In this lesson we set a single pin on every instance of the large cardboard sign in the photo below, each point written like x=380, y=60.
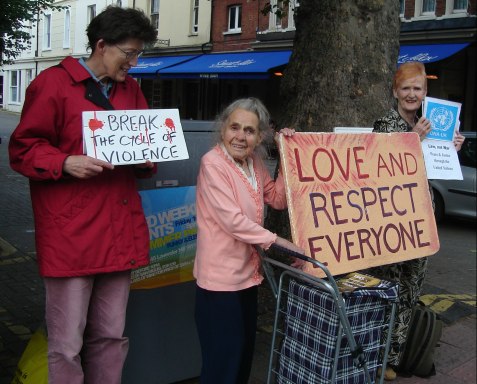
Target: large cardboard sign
x=134, y=136
x=358, y=200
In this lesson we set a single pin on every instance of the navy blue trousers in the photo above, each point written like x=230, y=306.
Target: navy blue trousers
x=226, y=324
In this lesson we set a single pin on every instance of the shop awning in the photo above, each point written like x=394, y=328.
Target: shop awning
x=149, y=66
x=428, y=53
x=240, y=65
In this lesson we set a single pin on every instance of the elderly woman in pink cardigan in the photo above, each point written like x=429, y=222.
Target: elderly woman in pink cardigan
x=232, y=187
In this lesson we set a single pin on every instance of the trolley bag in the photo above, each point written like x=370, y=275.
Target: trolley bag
x=425, y=330
x=314, y=342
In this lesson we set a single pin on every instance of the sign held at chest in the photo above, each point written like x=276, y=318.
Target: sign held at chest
x=134, y=136
x=358, y=200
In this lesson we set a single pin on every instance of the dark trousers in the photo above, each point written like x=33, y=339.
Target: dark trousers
x=226, y=323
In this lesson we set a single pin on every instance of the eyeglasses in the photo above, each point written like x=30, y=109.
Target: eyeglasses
x=130, y=54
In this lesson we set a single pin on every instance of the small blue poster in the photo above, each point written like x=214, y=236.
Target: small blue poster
x=171, y=218
x=444, y=117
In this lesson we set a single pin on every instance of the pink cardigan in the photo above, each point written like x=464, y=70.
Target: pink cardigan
x=230, y=219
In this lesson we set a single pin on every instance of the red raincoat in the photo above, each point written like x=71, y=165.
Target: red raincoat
x=82, y=227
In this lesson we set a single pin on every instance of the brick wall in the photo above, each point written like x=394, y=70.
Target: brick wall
x=235, y=41
x=440, y=8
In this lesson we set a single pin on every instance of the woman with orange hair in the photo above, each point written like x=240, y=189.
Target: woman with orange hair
x=409, y=89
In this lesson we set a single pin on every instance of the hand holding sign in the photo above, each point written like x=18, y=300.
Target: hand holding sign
x=84, y=167
x=422, y=127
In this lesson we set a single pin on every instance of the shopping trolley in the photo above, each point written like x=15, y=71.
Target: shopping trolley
x=321, y=335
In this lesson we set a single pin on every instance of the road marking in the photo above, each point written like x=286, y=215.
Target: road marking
x=6, y=249
x=442, y=303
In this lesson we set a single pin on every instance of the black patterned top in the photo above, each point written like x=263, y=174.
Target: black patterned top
x=391, y=122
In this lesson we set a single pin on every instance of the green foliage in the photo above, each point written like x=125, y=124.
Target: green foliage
x=18, y=25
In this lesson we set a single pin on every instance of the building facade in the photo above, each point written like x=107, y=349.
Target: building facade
x=176, y=72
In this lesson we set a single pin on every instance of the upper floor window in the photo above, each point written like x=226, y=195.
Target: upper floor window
x=119, y=3
x=195, y=17
x=155, y=13
x=461, y=5
x=67, y=29
x=276, y=14
x=15, y=82
x=401, y=7
x=47, y=31
x=235, y=18
x=428, y=6
x=91, y=12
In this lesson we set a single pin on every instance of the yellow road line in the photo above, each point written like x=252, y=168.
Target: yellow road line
x=441, y=303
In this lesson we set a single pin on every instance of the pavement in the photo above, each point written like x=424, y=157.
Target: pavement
x=450, y=288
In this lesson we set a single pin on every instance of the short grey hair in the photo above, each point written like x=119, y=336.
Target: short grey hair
x=250, y=104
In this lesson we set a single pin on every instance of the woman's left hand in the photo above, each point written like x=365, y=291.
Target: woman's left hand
x=285, y=132
x=284, y=243
x=422, y=127
x=458, y=141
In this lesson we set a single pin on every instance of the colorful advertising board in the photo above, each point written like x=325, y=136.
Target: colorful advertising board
x=171, y=218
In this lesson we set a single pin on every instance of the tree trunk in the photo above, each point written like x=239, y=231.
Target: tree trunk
x=340, y=72
x=344, y=56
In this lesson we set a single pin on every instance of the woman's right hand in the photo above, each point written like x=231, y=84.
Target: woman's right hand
x=284, y=243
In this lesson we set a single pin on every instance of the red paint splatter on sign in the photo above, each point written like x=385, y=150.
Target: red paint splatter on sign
x=94, y=124
x=170, y=124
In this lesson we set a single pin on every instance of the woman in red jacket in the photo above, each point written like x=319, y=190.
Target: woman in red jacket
x=89, y=223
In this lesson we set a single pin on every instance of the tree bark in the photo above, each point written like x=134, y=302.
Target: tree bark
x=340, y=72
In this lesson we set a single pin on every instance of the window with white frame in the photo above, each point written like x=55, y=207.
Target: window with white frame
x=274, y=20
x=292, y=6
x=119, y=3
x=428, y=7
x=15, y=82
x=91, y=12
x=155, y=13
x=235, y=18
x=47, y=31
x=67, y=29
x=195, y=17
x=401, y=7
x=460, y=5
x=29, y=76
